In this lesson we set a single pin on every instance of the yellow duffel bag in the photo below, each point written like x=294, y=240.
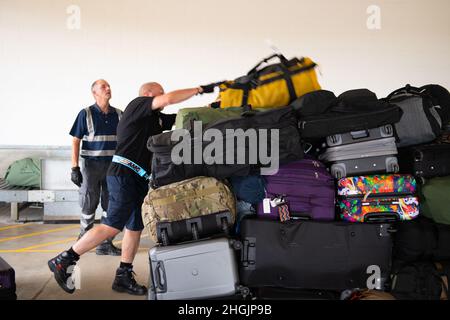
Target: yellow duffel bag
x=272, y=86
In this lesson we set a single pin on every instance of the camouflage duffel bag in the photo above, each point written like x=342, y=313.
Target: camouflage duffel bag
x=194, y=208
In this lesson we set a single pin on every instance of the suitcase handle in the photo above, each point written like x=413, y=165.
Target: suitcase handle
x=407, y=89
x=160, y=274
x=359, y=134
x=383, y=217
x=275, y=55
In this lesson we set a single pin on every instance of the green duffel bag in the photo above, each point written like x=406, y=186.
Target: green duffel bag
x=434, y=195
x=24, y=173
x=206, y=115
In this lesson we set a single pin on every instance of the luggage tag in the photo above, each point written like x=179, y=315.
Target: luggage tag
x=283, y=209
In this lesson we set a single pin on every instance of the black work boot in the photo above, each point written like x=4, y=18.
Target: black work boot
x=125, y=282
x=107, y=248
x=59, y=265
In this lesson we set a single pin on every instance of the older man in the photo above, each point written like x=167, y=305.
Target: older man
x=127, y=185
x=96, y=126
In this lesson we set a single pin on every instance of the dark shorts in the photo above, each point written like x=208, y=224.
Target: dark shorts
x=126, y=195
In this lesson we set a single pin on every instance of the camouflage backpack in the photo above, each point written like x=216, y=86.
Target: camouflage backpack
x=186, y=199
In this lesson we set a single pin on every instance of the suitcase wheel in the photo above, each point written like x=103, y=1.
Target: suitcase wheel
x=338, y=171
x=394, y=168
x=237, y=245
x=244, y=291
x=164, y=237
x=392, y=165
x=387, y=131
x=334, y=140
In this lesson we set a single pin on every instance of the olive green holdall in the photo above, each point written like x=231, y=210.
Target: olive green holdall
x=434, y=196
x=188, y=210
x=186, y=116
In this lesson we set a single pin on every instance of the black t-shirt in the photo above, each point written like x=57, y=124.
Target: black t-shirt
x=137, y=124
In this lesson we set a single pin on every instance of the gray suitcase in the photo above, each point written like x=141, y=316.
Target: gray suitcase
x=362, y=158
x=196, y=270
x=360, y=136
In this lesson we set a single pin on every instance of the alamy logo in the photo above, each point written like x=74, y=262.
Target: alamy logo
x=73, y=21
x=374, y=19
x=236, y=146
x=374, y=280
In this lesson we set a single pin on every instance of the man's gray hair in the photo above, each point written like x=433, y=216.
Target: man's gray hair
x=93, y=85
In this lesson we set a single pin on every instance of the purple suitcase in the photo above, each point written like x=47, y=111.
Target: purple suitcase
x=7, y=281
x=307, y=188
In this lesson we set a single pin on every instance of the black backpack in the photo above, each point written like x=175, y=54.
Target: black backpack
x=421, y=281
x=422, y=239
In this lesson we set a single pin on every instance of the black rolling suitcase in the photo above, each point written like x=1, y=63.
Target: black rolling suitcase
x=7, y=281
x=427, y=161
x=315, y=255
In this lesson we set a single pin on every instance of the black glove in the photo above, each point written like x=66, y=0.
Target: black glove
x=209, y=88
x=76, y=176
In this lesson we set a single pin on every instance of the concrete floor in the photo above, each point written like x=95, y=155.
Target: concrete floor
x=28, y=246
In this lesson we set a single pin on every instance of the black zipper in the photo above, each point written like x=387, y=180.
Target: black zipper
x=380, y=195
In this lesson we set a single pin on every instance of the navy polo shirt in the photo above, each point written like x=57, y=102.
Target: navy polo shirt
x=97, y=131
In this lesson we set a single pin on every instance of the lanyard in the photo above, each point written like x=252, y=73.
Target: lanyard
x=130, y=164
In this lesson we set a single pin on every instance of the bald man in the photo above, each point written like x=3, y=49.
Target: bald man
x=96, y=127
x=127, y=185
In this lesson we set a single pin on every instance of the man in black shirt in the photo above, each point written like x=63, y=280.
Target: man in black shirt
x=127, y=185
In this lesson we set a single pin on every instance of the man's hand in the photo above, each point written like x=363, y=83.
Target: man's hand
x=76, y=176
x=209, y=88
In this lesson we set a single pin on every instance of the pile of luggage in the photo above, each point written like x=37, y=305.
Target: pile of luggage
x=341, y=218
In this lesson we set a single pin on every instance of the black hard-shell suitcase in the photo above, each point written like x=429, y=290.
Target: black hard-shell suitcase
x=7, y=281
x=315, y=255
x=207, y=226
x=427, y=161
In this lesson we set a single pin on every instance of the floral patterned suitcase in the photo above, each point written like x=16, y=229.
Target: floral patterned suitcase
x=378, y=198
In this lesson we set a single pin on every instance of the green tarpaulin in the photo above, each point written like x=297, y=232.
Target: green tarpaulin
x=24, y=173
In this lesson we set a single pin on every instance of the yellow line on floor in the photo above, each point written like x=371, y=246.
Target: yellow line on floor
x=49, y=251
x=17, y=226
x=28, y=235
x=46, y=244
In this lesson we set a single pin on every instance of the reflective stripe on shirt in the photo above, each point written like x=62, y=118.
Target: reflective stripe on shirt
x=90, y=127
x=97, y=153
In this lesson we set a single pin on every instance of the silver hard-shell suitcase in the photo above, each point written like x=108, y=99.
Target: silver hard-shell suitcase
x=195, y=270
x=360, y=136
x=362, y=158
